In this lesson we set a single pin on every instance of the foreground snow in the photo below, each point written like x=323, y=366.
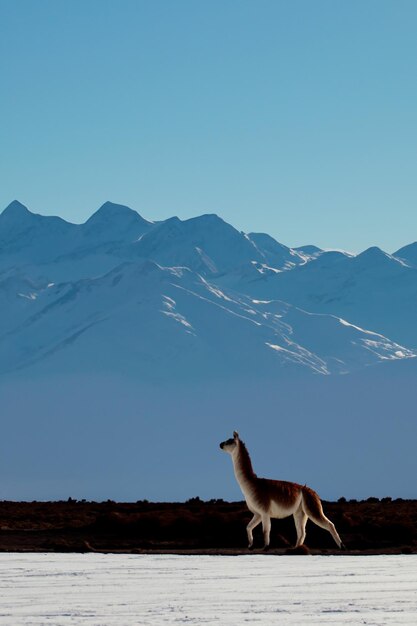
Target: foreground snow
x=126, y=590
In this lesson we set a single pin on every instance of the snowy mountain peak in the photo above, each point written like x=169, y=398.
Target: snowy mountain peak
x=115, y=223
x=309, y=250
x=408, y=254
x=15, y=211
x=111, y=212
x=206, y=244
x=208, y=219
x=173, y=222
x=275, y=254
x=17, y=216
x=374, y=256
x=372, y=253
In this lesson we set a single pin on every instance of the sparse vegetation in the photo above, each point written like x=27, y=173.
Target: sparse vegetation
x=372, y=525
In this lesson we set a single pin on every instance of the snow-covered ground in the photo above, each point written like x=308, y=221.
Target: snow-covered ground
x=141, y=590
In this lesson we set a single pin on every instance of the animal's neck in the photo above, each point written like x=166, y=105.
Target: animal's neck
x=243, y=466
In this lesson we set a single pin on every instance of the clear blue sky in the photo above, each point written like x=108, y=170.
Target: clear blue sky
x=297, y=118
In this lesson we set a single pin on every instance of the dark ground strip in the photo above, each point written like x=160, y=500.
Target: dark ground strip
x=196, y=527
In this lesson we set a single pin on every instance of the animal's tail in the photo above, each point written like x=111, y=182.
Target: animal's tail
x=312, y=507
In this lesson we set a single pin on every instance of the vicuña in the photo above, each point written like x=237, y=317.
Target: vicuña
x=268, y=499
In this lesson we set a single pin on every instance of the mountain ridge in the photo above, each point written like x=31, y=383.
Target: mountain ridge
x=251, y=275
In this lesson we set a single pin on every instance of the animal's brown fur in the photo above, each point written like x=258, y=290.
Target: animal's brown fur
x=313, y=503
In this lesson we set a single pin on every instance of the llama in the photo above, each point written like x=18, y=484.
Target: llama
x=268, y=499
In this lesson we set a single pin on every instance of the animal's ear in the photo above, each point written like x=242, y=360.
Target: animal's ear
x=235, y=434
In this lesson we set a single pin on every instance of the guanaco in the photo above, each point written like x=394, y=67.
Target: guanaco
x=268, y=499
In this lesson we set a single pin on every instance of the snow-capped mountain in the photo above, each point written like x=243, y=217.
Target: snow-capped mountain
x=29, y=238
x=54, y=249
x=120, y=293
x=48, y=247
x=373, y=290
x=408, y=254
x=114, y=223
x=159, y=323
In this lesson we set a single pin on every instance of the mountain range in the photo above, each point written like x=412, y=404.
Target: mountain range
x=128, y=314
x=193, y=298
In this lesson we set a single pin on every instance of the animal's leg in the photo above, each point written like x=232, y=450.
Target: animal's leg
x=266, y=525
x=300, y=519
x=256, y=519
x=325, y=523
x=312, y=506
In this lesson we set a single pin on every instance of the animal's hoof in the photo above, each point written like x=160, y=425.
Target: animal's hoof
x=301, y=549
x=342, y=546
x=250, y=547
x=265, y=548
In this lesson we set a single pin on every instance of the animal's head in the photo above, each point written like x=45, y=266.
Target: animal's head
x=230, y=445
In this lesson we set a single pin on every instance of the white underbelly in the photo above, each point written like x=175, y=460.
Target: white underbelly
x=279, y=510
